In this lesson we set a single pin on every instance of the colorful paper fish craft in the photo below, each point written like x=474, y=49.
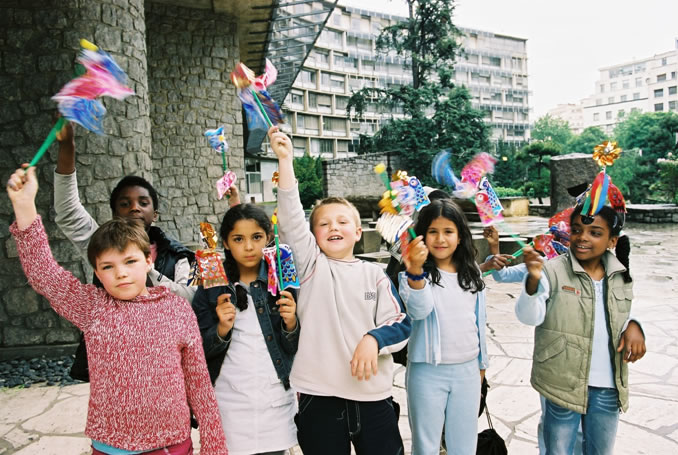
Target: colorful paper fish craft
x=77, y=100
x=261, y=110
x=602, y=190
x=208, y=269
x=218, y=142
x=282, y=273
x=404, y=195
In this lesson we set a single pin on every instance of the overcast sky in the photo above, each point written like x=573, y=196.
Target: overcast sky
x=567, y=41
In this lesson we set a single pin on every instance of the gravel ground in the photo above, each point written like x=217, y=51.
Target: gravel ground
x=26, y=372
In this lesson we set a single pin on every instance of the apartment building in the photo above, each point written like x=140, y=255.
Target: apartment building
x=572, y=113
x=644, y=85
x=344, y=60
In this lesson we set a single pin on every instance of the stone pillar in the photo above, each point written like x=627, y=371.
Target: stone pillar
x=40, y=43
x=568, y=171
x=191, y=54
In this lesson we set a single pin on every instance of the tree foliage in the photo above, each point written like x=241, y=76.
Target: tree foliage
x=653, y=135
x=437, y=114
x=309, y=172
x=536, y=157
x=551, y=129
x=586, y=141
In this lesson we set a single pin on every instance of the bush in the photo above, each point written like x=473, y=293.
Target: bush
x=309, y=172
x=507, y=192
x=668, y=180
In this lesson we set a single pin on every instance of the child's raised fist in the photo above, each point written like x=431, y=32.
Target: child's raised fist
x=280, y=143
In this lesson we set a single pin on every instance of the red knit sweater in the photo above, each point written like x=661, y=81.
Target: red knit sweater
x=146, y=360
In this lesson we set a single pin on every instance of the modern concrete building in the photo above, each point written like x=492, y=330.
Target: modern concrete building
x=573, y=114
x=645, y=85
x=344, y=60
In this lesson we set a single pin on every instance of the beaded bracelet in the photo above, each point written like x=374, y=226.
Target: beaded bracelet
x=416, y=277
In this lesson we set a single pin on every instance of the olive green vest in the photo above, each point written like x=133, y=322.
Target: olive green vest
x=563, y=342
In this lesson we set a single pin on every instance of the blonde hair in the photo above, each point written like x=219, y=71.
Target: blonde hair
x=334, y=200
x=118, y=234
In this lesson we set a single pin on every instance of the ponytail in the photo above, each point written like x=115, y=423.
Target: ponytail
x=622, y=251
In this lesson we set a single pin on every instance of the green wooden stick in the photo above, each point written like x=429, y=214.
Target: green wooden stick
x=517, y=254
x=277, y=252
x=261, y=108
x=48, y=141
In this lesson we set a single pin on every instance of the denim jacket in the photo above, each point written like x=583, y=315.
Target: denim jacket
x=424, y=345
x=282, y=345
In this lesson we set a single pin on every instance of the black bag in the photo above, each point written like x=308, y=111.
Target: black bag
x=489, y=441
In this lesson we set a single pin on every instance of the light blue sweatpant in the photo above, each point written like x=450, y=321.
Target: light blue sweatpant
x=444, y=394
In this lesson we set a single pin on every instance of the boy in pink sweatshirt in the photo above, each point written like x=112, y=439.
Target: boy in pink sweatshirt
x=147, y=366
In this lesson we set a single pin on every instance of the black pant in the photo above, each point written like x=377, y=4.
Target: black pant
x=328, y=425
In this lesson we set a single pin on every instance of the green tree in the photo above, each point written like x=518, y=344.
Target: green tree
x=438, y=114
x=668, y=180
x=586, y=141
x=536, y=157
x=309, y=172
x=551, y=129
x=623, y=173
x=653, y=135
x=509, y=170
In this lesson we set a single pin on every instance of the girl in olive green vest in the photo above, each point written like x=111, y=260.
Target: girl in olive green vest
x=580, y=304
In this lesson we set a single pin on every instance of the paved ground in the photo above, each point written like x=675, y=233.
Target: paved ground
x=50, y=420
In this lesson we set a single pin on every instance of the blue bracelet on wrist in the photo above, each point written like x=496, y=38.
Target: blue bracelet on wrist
x=416, y=277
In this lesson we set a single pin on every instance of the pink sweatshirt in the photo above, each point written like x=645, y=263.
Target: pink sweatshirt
x=145, y=356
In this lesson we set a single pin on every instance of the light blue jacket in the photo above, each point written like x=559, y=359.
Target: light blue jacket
x=424, y=344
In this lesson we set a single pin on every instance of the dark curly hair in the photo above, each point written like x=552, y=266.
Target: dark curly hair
x=133, y=180
x=464, y=257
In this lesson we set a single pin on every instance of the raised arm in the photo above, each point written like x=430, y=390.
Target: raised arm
x=67, y=295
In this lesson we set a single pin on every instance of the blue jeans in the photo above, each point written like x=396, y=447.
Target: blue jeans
x=540, y=432
x=599, y=424
x=443, y=395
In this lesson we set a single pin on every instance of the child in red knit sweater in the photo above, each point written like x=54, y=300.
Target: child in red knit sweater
x=147, y=367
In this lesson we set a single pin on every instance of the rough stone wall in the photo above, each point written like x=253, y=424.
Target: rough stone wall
x=568, y=171
x=191, y=54
x=354, y=177
x=39, y=41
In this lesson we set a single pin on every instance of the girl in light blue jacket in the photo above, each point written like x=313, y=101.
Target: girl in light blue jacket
x=444, y=294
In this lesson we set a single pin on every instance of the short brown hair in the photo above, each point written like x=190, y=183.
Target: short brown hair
x=117, y=234
x=334, y=200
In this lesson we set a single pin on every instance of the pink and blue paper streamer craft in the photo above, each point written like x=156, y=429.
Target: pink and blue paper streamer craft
x=289, y=275
x=217, y=141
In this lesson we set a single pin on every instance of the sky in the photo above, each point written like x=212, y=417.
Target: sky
x=567, y=41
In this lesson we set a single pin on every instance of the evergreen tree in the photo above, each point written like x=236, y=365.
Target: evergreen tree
x=438, y=114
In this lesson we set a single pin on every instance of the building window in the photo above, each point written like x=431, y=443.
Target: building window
x=673, y=74
x=326, y=147
x=312, y=101
x=322, y=57
x=659, y=107
x=492, y=61
x=610, y=100
x=308, y=123
x=596, y=116
x=325, y=102
x=672, y=90
x=296, y=97
x=621, y=113
x=659, y=93
x=253, y=174
x=673, y=105
x=625, y=84
x=367, y=65
x=517, y=63
x=623, y=98
x=337, y=82
x=636, y=96
x=608, y=115
x=299, y=146
x=613, y=86
x=341, y=102
x=307, y=77
x=661, y=77
x=639, y=82
x=664, y=60
x=602, y=88
x=334, y=125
